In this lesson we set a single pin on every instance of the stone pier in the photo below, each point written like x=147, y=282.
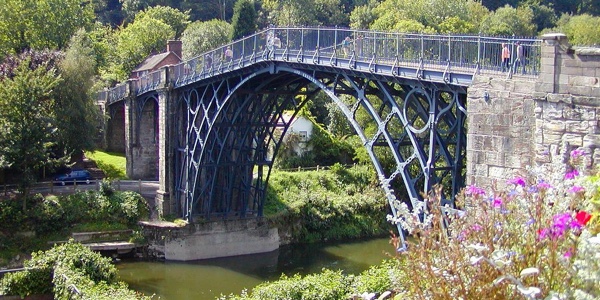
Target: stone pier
x=515, y=123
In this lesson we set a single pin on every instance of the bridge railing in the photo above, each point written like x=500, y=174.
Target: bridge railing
x=328, y=46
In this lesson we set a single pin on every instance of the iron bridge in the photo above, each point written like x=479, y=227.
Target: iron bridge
x=228, y=111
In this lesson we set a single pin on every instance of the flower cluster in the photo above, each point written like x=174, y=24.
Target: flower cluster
x=525, y=241
x=563, y=222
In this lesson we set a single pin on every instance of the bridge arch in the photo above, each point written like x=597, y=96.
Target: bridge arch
x=229, y=126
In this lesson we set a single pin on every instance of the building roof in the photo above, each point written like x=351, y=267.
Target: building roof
x=152, y=61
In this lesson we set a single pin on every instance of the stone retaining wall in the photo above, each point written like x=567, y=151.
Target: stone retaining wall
x=513, y=123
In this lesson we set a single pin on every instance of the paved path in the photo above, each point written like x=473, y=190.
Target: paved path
x=145, y=187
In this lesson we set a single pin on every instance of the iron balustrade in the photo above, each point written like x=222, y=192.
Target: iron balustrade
x=115, y=94
x=327, y=46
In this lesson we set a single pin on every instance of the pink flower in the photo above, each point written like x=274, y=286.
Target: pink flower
x=476, y=227
x=474, y=191
x=517, y=181
x=497, y=202
x=568, y=254
x=572, y=174
x=544, y=185
x=576, y=189
x=577, y=153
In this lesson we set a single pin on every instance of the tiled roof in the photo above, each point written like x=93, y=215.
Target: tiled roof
x=151, y=62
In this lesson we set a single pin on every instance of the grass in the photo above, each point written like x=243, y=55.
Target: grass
x=111, y=163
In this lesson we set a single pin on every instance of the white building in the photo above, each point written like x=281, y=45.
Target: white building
x=300, y=126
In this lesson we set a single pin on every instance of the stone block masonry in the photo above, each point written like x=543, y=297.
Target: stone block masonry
x=513, y=124
x=500, y=129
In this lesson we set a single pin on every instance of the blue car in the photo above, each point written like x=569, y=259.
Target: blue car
x=79, y=176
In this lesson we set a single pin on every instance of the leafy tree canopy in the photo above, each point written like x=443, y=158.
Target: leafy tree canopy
x=507, y=21
x=143, y=37
x=73, y=101
x=26, y=120
x=436, y=16
x=583, y=30
x=244, y=19
x=171, y=16
x=200, y=37
x=40, y=24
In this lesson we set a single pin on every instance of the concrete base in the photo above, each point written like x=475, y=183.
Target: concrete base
x=210, y=239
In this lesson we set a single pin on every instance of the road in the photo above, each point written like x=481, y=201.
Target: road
x=145, y=187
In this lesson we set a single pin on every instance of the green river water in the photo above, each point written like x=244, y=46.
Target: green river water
x=207, y=279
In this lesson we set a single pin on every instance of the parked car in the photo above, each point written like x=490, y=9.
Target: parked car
x=78, y=176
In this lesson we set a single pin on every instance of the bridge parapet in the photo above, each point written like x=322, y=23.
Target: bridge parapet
x=397, y=54
x=514, y=125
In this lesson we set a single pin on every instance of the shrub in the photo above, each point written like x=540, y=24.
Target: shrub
x=326, y=205
x=12, y=217
x=527, y=242
x=66, y=270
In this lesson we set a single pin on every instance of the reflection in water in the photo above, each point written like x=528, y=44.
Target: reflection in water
x=207, y=279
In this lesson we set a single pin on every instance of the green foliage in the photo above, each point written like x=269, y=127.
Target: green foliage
x=326, y=205
x=583, y=30
x=362, y=17
x=244, y=19
x=27, y=124
x=11, y=217
x=328, y=284
x=200, y=37
x=56, y=213
x=322, y=149
x=74, y=103
x=136, y=42
x=64, y=268
x=173, y=17
x=438, y=16
x=40, y=24
x=508, y=21
x=112, y=164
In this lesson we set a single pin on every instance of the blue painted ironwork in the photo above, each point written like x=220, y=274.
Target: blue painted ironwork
x=447, y=58
x=229, y=112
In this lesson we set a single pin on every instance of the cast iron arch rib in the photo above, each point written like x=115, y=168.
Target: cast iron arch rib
x=231, y=124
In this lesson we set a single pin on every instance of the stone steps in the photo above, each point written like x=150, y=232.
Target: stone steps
x=91, y=166
x=116, y=241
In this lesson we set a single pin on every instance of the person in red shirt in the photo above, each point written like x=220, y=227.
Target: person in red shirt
x=505, y=58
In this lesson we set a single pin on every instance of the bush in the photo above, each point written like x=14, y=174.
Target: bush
x=530, y=241
x=326, y=205
x=328, y=284
x=12, y=217
x=65, y=270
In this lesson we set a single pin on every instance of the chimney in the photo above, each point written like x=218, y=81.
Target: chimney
x=175, y=46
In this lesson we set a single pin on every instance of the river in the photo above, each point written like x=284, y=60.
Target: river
x=207, y=279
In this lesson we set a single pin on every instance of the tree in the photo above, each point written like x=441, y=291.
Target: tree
x=73, y=102
x=109, y=12
x=507, y=21
x=362, y=17
x=200, y=37
x=431, y=16
x=137, y=41
x=244, y=19
x=543, y=16
x=583, y=30
x=331, y=13
x=27, y=122
x=171, y=16
x=41, y=24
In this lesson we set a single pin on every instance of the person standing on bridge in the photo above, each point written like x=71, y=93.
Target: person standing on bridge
x=228, y=54
x=346, y=46
x=505, y=58
x=520, y=61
